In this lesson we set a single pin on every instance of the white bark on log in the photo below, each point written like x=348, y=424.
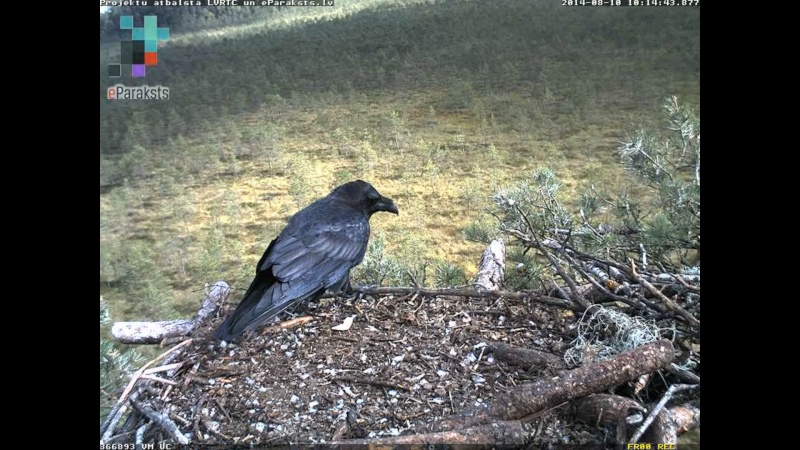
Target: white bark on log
x=686, y=417
x=491, y=267
x=155, y=332
x=672, y=422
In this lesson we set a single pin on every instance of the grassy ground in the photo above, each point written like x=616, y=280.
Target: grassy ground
x=204, y=206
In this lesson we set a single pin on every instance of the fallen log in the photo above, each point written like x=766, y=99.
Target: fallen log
x=668, y=430
x=497, y=423
x=527, y=359
x=531, y=398
x=672, y=422
x=604, y=409
x=686, y=417
x=156, y=332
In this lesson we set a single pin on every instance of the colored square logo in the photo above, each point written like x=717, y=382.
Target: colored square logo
x=115, y=70
x=125, y=22
x=126, y=52
x=142, y=49
x=150, y=27
x=137, y=53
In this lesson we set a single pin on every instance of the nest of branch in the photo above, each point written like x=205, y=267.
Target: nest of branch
x=412, y=368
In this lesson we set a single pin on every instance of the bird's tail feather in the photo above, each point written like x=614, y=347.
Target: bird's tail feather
x=233, y=326
x=248, y=316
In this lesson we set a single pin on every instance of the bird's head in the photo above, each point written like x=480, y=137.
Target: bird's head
x=362, y=194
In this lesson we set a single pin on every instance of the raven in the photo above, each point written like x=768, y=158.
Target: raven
x=314, y=253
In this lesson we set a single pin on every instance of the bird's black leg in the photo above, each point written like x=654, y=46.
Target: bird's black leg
x=350, y=293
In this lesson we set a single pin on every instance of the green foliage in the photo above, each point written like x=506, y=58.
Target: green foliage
x=135, y=163
x=456, y=49
x=494, y=156
x=449, y=275
x=399, y=132
x=144, y=280
x=211, y=263
x=523, y=271
x=479, y=231
x=341, y=177
x=299, y=187
x=408, y=266
x=366, y=159
x=667, y=227
x=115, y=365
x=377, y=268
x=668, y=164
x=533, y=203
x=341, y=141
x=268, y=145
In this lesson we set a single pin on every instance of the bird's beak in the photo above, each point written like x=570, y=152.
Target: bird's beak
x=386, y=204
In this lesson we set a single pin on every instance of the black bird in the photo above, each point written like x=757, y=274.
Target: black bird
x=314, y=253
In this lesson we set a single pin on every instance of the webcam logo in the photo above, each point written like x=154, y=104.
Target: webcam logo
x=141, y=50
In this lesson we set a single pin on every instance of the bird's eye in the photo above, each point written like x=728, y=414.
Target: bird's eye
x=374, y=196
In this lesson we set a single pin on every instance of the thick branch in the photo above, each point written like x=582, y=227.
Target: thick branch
x=525, y=296
x=657, y=409
x=604, y=409
x=584, y=304
x=534, y=397
x=527, y=359
x=163, y=420
x=670, y=423
x=692, y=320
x=132, y=383
x=156, y=332
x=686, y=417
x=491, y=267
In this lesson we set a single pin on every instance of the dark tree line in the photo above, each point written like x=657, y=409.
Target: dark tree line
x=464, y=50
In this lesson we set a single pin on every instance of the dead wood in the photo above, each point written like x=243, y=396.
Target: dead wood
x=672, y=422
x=684, y=375
x=525, y=358
x=163, y=420
x=671, y=305
x=686, y=416
x=156, y=332
x=657, y=410
x=604, y=409
x=106, y=429
x=434, y=385
x=663, y=430
x=288, y=324
x=531, y=398
x=467, y=292
x=491, y=267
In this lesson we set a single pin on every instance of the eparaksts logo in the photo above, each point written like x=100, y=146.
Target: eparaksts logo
x=145, y=92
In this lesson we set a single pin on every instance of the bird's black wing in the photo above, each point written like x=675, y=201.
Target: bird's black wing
x=301, y=263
